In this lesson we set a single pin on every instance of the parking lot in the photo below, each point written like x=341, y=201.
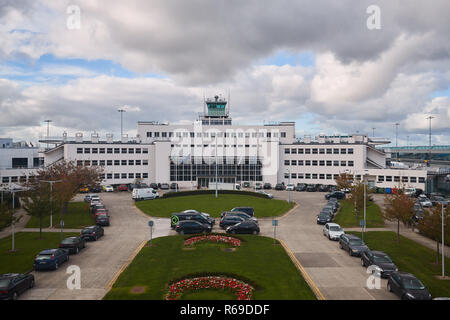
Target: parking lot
x=337, y=275
x=101, y=259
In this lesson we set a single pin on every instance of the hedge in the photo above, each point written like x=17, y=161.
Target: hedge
x=171, y=194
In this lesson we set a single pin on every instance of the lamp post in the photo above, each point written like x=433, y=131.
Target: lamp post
x=396, y=137
x=289, y=182
x=217, y=193
x=48, y=129
x=373, y=132
x=51, y=199
x=429, y=142
x=121, y=110
x=365, y=204
x=443, y=243
x=13, y=223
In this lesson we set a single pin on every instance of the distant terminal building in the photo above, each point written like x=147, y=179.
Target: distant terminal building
x=212, y=147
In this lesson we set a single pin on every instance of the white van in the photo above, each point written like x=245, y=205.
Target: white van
x=144, y=194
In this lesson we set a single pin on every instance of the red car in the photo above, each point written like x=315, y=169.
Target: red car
x=122, y=187
x=101, y=211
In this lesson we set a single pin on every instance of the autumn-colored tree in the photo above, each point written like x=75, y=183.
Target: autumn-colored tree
x=344, y=181
x=431, y=225
x=398, y=207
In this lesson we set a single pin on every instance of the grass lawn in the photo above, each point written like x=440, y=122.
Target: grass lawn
x=209, y=204
x=77, y=217
x=409, y=256
x=346, y=217
x=257, y=261
x=27, y=245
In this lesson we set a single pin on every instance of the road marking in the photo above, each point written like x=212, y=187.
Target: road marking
x=141, y=212
x=306, y=276
x=124, y=266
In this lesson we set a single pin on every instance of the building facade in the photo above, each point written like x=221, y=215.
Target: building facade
x=213, y=148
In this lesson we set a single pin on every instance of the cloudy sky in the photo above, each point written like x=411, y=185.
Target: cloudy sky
x=315, y=62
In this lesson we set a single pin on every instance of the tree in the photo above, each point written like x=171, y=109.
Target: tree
x=398, y=207
x=7, y=216
x=36, y=202
x=431, y=225
x=344, y=181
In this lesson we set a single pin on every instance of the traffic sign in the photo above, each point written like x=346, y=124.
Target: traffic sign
x=150, y=223
x=274, y=223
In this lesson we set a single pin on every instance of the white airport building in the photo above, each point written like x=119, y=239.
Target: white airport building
x=213, y=147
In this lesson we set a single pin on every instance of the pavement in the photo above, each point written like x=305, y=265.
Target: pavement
x=101, y=261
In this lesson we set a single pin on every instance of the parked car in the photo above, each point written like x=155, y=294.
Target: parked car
x=290, y=187
x=332, y=230
x=311, y=188
x=100, y=211
x=88, y=198
x=73, y=244
x=84, y=189
x=237, y=186
x=154, y=186
x=424, y=201
x=207, y=216
x=12, y=285
x=192, y=226
x=174, y=186
x=92, y=233
x=241, y=214
x=164, y=186
x=335, y=194
x=102, y=220
x=247, y=226
x=269, y=195
x=191, y=215
x=323, y=188
x=352, y=244
x=258, y=186
x=267, y=186
x=436, y=199
x=333, y=204
x=331, y=207
x=122, y=187
x=300, y=187
x=230, y=220
x=96, y=207
x=380, y=260
x=407, y=287
x=248, y=210
x=108, y=188
x=144, y=194
x=95, y=189
x=279, y=186
x=246, y=184
x=50, y=259
x=324, y=217
x=332, y=188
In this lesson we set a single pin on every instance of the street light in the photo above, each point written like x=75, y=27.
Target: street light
x=121, y=110
x=51, y=199
x=443, y=243
x=396, y=136
x=289, y=182
x=48, y=129
x=365, y=205
x=429, y=149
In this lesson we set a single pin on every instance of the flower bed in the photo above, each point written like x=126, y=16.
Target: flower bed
x=242, y=290
x=214, y=238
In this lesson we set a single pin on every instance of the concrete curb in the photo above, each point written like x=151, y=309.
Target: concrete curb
x=306, y=276
x=124, y=266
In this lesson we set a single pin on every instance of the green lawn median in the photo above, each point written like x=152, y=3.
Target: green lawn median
x=77, y=216
x=208, y=203
x=256, y=261
x=27, y=245
x=346, y=217
x=409, y=256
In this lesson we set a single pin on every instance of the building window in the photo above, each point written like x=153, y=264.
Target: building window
x=321, y=176
x=287, y=151
x=350, y=163
x=396, y=178
x=307, y=162
x=145, y=175
x=138, y=162
x=138, y=175
x=87, y=162
x=79, y=163
x=293, y=162
x=380, y=178
x=329, y=163
x=145, y=150
x=94, y=150
x=116, y=175
x=144, y=162
x=413, y=179
x=109, y=150
x=283, y=134
x=109, y=176
x=109, y=162
x=124, y=162
x=286, y=162
x=300, y=151
x=293, y=175
x=138, y=150
x=102, y=162
x=388, y=178
x=79, y=150
x=329, y=151
x=94, y=162
x=322, y=163
x=350, y=151
x=307, y=151
x=314, y=175
x=130, y=150
x=293, y=151
x=116, y=162
x=131, y=176
x=421, y=180
x=314, y=162
x=329, y=176
x=149, y=134
x=307, y=176
x=336, y=163
x=335, y=176
x=321, y=151
x=123, y=175
x=335, y=151
x=116, y=150
x=131, y=162
x=124, y=150
x=314, y=151
x=102, y=150
x=343, y=151
x=404, y=179
x=164, y=135
x=343, y=163
x=87, y=150
x=286, y=175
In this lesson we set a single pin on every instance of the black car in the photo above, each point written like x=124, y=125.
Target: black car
x=102, y=220
x=324, y=217
x=192, y=215
x=247, y=226
x=323, y=188
x=300, y=187
x=95, y=189
x=335, y=194
x=248, y=210
x=174, y=186
x=331, y=207
x=241, y=214
x=14, y=284
x=383, y=265
x=97, y=206
x=311, y=188
x=267, y=186
x=279, y=186
x=334, y=204
x=230, y=220
x=92, y=233
x=352, y=244
x=192, y=226
x=154, y=186
x=407, y=287
x=73, y=244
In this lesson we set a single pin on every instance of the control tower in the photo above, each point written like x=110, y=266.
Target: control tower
x=216, y=112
